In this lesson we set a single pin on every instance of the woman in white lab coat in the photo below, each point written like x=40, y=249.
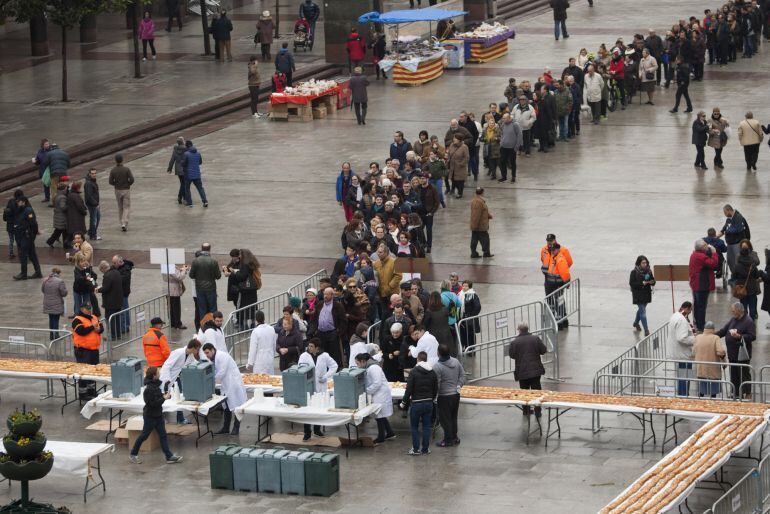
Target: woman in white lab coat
x=262, y=347
x=377, y=386
x=230, y=381
x=325, y=368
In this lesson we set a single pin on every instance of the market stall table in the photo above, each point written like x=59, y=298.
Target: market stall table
x=73, y=458
x=416, y=70
x=68, y=381
x=295, y=105
x=487, y=42
x=136, y=405
x=268, y=408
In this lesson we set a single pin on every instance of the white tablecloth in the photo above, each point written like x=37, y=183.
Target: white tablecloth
x=34, y=375
x=265, y=388
x=73, y=458
x=106, y=401
x=410, y=64
x=275, y=408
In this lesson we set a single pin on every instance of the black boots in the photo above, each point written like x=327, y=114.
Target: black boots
x=226, y=424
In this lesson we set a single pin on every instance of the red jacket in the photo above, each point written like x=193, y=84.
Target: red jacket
x=702, y=268
x=618, y=67
x=356, y=47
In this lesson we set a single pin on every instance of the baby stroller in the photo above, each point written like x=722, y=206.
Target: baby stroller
x=303, y=35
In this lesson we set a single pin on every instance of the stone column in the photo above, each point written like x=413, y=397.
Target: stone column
x=338, y=16
x=38, y=36
x=478, y=10
x=88, y=29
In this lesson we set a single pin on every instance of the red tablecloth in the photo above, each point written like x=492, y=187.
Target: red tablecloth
x=282, y=98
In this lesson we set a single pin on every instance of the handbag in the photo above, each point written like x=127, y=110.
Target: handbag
x=743, y=352
x=741, y=291
x=46, y=178
x=649, y=75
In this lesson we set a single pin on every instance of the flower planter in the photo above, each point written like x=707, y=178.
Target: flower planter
x=31, y=470
x=25, y=428
x=30, y=449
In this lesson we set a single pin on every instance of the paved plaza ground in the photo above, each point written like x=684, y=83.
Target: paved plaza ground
x=624, y=188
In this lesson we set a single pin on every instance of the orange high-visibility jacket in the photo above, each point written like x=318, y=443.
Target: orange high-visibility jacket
x=90, y=341
x=156, y=349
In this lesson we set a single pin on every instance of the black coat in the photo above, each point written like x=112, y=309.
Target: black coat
x=699, y=132
x=125, y=276
x=358, y=84
x=91, y=192
x=422, y=385
x=81, y=284
x=683, y=75
x=526, y=350
x=292, y=342
x=9, y=215
x=766, y=279
x=76, y=213
x=559, y=9
x=437, y=323
x=640, y=293
x=747, y=272
x=221, y=28
x=153, y=399
x=746, y=327
x=112, y=290
x=392, y=368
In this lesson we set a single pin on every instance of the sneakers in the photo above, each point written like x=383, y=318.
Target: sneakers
x=390, y=437
x=174, y=459
x=412, y=451
x=134, y=459
x=426, y=451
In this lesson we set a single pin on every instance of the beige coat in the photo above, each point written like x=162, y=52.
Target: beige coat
x=708, y=347
x=458, y=162
x=648, y=65
x=84, y=251
x=715, y=129
x=479, y=214
x=750, y=132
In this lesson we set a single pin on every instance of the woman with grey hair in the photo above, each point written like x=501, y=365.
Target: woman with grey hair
x=750, y=136
x=708, y=348
x=739, y=333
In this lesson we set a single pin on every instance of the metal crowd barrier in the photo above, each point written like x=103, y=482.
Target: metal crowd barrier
x=313, y=281
x=759, y=387
x=745, y=497
x=373, y=333
x=239, y=324
x=565, y=301
x=653, y=385
x=27, y=343
x=488, y=356
x=132, y=323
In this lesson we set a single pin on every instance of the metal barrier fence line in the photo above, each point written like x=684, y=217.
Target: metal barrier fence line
x=488, y=357
x=242, y=319
x=744, y=497
x=129, y=325
x=238, y=345
x=313, y=281
x=27, y=343
x=650, y=385
x=373, y=333
x=761, y=373
x=764, y=482
x=61, y=349
x=565, y=301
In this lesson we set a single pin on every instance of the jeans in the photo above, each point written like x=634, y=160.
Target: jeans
x=683, y=370
x=480, y=236
x=641, y=316
x=198, y=185
x=748, y=46
x=180, y=193
x=732, y=255
x=574, y=122
x=448, y=406
x=79, y=299
x=750, y=303
x=150, y=424
x=207, y=302
x=557, y=24
x=94, y=216
x=125, y=317
x=700, y=155
x=563, y=127
x=53, y=325
x=699, y=302
x=473, y=162
x=421, y=412
x=438, y=184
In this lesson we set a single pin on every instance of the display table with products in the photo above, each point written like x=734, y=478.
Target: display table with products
x=416, y=70
x=487, y=42
x=135, y=405
x=305, y=101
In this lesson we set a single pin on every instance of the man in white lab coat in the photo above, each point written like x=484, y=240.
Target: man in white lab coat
x=212, y=332
x=325, y=368
x=679, y=346
x=377, y=386
x=172, y=368
x=425, y=343
x=229, y=378
x=262, y=347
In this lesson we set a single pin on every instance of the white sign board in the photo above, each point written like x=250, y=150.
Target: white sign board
x=175, y=255
x=15, y=339
x=139, y=316
x=668, y=391
x=167, y=269
x=501, y=323
x=736, y=502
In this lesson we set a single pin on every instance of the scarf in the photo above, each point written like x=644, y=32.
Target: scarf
x=359, y=193
x=465, y=295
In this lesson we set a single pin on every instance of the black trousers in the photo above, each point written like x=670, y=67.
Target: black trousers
x=84, y=356
x=530, y=383
x=171, y=16
x=448, y=407
x=459, y=186
x=383, y=429
x=718, y=156
x=480, y=236
x=57, y=233
x=265, y=49
x=288, y=78
x=751, y=153
x=254, y=93
x=180, y=193
x=700, y=155
x=507, y=160
x=360, y=108
x=737, y=377
x=330, y=342
x=175, y=311
x=144, y=47
x=27, y=252
x=595, y=110
x=680, y=92
x=554, y=304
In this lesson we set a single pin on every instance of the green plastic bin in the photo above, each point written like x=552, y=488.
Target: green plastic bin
x=221, y=466
x=269, y=470
x=322, y=474
x=245, y=469
x=293, y=471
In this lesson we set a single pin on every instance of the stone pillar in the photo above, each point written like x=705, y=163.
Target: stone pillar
x=38, y=36
x=338, y=17
x=478, y=10
x=88, y=29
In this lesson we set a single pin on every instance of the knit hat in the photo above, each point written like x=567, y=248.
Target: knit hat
x=312, y=291
x=294, y=302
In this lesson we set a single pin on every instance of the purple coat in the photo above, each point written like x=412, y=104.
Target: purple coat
x=147, y=29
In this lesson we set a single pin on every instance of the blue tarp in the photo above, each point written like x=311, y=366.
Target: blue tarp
x=409, y=15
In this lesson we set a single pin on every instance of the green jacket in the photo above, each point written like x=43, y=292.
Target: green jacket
x=205, y=271
x=563, y=102
x=437, y=168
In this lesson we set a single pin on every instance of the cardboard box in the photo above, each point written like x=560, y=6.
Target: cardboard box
x=319, y=112
x=134, y=428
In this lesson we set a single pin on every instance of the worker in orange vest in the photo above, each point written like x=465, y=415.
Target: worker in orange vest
x=545, y=252
x=556, y=263
x=86, y=338
x=155, y=344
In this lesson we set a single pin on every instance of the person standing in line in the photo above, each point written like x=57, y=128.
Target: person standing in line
x=458, y=156
x=421, y=391
x=39, y=159
x=58, y=162
x=525, y=115
x=265, y=29
x=191, y=163
x=284, y=62
x=735, y=230
x=9, y=217
x=176, y=289
x=739, y=331
x=91, y=192
x=152, y=414
x=175, y=165
x=511, y=139
x=451, y=377
x=329, y=318
x=526, y=350
x=682, y=85
x=172, y=8
x=59, y=217
x=703, y=262
x=147, y=35
x=750, y=136
x=254, y=83
x=592, y=92
x=54, y=290
x=679, y=346
x=76, y=212
x=83, y=286
x=700, y=129
x=205, y=272
x=86, y=339
x=124, y=267
x=560, y=18
x=358, y=85
x=718, y=136
x=708, y=348
x=121, y=179
x=25, y=229
x=112, y=296
x=480, y=217
x=641, y=282
x=748, y=275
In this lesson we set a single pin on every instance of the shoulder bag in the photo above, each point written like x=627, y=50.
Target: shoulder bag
x=743, y=352
x=740, y=291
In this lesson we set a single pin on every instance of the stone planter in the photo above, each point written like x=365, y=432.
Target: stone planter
x=30, y=449
x=25, y=428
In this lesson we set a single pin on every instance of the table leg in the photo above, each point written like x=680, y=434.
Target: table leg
x=112, y=431
x=260, y=424
x=101, y=481
x=554, y=418
x=208, y=431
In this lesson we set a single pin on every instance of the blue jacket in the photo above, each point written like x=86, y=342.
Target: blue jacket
x=191, y=162
x=284, y=61
x=399, y=152
x=452, y=304
x=40, y=158
x=717, y=243
x=342, y=185
x=58, y=160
